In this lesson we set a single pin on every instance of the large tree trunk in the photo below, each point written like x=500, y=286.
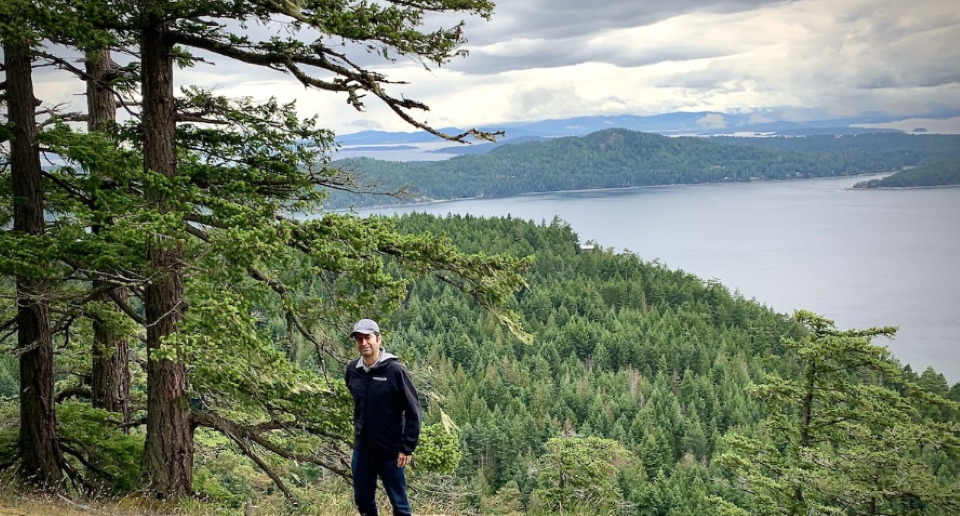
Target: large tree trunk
x=111, y=358
x=39, y=452
x=111, y=351
x=168, y=452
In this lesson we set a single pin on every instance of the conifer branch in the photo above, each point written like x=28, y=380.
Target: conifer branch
x=351, y=80
x=254, y=434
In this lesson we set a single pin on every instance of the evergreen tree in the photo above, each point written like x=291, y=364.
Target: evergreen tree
x=40, y=460
x=221, y=201
x=845, y=436
x=579, y=475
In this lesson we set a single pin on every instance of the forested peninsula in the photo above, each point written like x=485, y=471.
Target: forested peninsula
x=617, y=158
x=944, y=173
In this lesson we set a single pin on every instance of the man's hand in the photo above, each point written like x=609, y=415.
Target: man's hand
x=403, y=460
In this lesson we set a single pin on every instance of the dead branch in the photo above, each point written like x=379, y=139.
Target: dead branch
x=17, y=352
x=7, y=335
x=265, y=467
x=223, y=425
x=186, y=117
x=71, y=392
x=63, y=64
x=11, y=323
x=65, y=446
x=351, y=79
x=13, y=460
x=77, y=478
x=83, y=508
x=125, y=308
x=136, y=422
x=110, y=290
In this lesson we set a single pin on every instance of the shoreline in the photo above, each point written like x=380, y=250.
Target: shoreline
x=932, y=187
x=616, y=188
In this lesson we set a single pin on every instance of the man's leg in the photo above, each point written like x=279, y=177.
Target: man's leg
x=395, y=484
x=364, y=483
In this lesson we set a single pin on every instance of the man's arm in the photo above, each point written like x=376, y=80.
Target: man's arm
x=411, y=419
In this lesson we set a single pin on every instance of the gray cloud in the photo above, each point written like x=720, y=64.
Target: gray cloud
x=552, y=19
x=559, y=32
x=825, y=56
x=877, y=56
x=554, y=54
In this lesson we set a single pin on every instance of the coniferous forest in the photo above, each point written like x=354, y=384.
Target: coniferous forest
x=175, y=297
x=941, y=173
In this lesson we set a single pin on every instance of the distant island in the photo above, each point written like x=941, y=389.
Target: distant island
x=771, y=122
x=480, y=148
x=374, y=148
x=939, y=174
x=620, y=158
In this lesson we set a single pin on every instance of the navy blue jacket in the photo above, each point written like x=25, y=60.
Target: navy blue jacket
x=386, y=409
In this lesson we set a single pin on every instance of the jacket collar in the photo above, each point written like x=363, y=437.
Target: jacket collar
x=384, y=356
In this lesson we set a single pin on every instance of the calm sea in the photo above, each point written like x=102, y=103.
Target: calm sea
x=861, y=258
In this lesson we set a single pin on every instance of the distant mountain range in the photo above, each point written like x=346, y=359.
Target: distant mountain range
x=698, y=123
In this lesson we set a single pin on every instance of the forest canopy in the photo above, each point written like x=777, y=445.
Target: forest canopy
x=943, y=173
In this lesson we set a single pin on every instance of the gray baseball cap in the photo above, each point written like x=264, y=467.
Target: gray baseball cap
x=366, y=327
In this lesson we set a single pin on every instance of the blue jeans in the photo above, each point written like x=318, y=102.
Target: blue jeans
x=366, y=469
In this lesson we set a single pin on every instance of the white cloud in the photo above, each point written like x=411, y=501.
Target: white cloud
x=712, y=121
x=565, y=58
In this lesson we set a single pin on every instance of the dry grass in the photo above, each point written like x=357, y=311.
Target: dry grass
x=45, y=505
x=15, y=502
x=53, y=505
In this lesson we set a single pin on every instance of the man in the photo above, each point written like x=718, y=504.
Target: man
x=386, y=421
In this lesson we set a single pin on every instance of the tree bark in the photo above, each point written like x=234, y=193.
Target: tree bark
x=168, y=451
x=111, y=351
x=40, y=456
x=110, y=384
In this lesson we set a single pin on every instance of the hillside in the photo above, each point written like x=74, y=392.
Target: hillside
x=637, y=382
x=656, y=361
x=944, y=173
x=905, y=149
x=617, y=158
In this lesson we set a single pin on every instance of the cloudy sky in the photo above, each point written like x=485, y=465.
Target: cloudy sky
x=541, y=59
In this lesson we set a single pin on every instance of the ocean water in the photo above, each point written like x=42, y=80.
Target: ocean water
x=861, y=258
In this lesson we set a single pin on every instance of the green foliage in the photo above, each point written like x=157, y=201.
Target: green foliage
x=194, y=209
x=844, y=436
x=9, y=376
x=657, y=360
x=943, y=173
x=646, y=367
x=438, y=450
x=579, y=475
x=221, y=474
x=900, y=149
x=506, y=502
x=250, y=260
x=94, y=442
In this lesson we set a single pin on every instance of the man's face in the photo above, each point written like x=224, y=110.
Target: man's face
x=368, y=345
